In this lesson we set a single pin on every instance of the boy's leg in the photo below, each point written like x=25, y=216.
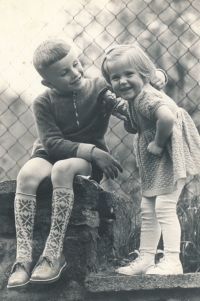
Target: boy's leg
x=62, y=176
x=149, y=239
x=28, y=181
x=171, y=231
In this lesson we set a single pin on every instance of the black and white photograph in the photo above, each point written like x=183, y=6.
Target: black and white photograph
x=100, y=150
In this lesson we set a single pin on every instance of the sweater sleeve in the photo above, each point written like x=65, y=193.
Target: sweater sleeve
x=52, y=138
x=120, y=107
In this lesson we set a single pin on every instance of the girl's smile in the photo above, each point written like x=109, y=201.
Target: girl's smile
x=125, y=80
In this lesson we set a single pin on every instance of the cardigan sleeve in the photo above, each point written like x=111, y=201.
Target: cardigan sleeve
x=52, y=138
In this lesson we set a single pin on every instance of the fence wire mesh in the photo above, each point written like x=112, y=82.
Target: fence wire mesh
x=168, y=30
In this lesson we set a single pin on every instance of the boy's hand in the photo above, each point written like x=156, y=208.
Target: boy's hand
x=159, y=81
x=109, y=98
x=106, y=163
x=154, y=149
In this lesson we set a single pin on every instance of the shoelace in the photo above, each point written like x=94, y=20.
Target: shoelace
x=132, y=263
x=17, y=266
x=41, y=260
x=161, y=260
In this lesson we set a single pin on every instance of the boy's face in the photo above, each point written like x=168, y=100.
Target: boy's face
x=126, y=82
x=65, y=75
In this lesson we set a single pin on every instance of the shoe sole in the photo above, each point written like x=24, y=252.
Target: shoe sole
x=164, y=274
x=135, y=274
x=50, y=280
x=18, y=286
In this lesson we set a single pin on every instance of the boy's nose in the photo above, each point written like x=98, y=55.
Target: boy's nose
x=74, y=72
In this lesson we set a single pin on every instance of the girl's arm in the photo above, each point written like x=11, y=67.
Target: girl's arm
x=164, y=128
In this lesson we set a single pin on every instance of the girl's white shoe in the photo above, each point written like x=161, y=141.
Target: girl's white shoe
x=140, y=265
x=168, y=265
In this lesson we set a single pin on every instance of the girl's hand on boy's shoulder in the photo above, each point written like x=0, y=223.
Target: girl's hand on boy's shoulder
x=159, y=80
x=154, y=149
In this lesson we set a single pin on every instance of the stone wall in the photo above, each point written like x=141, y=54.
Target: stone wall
x=96, y=236
x=99, y=235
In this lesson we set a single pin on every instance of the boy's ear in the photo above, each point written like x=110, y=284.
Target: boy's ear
x=46, y=83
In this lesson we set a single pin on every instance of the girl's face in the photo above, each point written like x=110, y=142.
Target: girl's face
x=126, y=82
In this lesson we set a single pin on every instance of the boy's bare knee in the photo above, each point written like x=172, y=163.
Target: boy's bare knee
x=62, y=169
x=26, y=180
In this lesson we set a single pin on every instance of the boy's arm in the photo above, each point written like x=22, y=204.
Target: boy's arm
x=60, y=148
x=52, y=138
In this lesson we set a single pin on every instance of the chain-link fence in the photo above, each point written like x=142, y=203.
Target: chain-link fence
x=168, y=30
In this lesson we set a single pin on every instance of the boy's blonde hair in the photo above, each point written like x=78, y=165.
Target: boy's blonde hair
x=136, y=56
x=49, y=52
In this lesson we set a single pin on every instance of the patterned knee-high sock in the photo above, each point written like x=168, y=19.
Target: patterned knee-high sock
x=25, y=207
x=62, y=204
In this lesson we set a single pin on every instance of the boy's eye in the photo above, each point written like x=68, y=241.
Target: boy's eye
x=75, y=63
x=64, y=73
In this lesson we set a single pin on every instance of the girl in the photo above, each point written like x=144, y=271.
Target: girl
x=167, y=151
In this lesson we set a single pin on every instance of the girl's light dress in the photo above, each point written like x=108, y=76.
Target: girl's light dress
x=181, y=154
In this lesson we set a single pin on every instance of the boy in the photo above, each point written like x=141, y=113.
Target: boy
x=71, y=121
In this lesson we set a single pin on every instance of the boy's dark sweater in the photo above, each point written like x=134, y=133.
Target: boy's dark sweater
x=67, y=121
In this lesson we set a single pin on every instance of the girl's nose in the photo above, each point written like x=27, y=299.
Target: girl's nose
x=123, y=80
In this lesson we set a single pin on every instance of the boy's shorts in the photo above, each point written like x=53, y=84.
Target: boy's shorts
x=97, y=174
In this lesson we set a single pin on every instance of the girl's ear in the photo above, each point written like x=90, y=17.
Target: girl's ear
x=145, y=79
x=46, y=83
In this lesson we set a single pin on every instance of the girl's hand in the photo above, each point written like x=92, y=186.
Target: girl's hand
x=154, y=149
x=119, y=116
x=159, y=80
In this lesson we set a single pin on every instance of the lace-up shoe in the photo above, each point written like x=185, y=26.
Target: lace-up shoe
x=168, y=265
x=139, y=266
x=20, y=274
x=48, y=269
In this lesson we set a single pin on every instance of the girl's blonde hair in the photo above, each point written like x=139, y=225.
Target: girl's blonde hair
x=136, y=56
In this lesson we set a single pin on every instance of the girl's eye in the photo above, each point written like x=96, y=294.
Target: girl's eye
x=115, y=78
x=75, y=63
x=129, y=73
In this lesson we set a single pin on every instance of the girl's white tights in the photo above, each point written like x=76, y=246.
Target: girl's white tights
x=159, y=216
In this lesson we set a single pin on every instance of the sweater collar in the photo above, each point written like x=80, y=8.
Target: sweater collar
x=71, y=93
